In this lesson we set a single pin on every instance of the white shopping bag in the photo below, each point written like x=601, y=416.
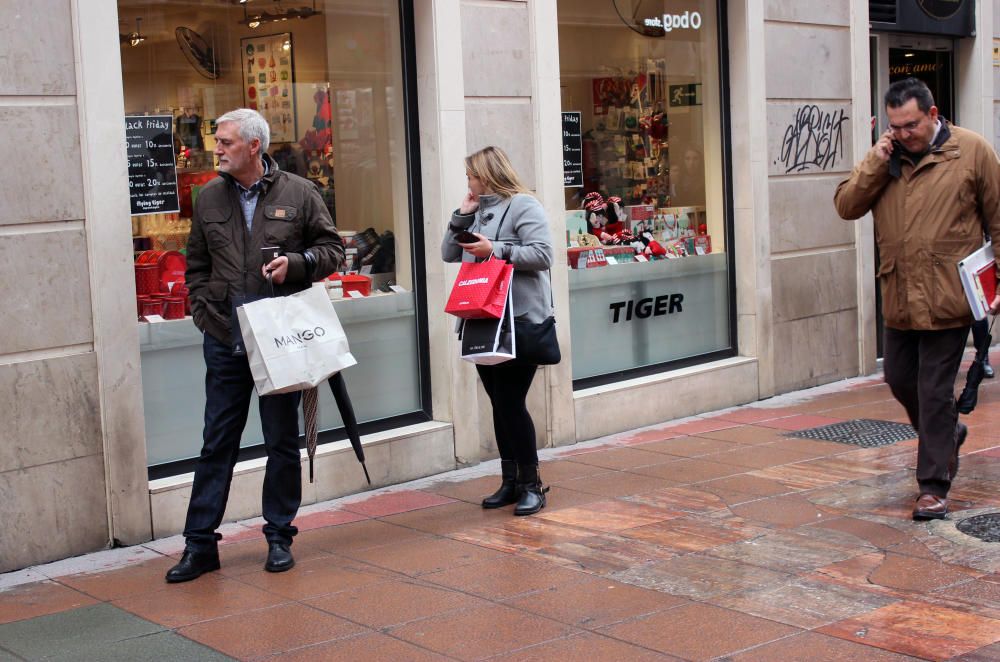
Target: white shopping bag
x=293, y=342
x=490, y=341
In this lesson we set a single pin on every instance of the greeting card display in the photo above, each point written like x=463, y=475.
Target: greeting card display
x=268, y=82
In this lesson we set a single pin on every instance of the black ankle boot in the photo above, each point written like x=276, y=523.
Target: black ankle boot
x=529, y=483
x=507, y=494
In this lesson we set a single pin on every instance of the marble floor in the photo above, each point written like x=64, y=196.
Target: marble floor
x=718, y=537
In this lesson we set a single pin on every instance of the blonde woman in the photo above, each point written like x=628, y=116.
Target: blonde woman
x=509, y=223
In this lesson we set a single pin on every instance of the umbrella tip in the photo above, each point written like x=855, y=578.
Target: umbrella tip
x=367, y=477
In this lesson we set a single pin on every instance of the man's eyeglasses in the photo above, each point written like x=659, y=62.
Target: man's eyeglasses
x=909, y=127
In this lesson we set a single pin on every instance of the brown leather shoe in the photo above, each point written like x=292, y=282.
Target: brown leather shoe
x=929, y=506
x=961, y=432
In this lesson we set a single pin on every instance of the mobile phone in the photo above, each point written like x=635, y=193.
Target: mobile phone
x=269, y=253
x=466, y=237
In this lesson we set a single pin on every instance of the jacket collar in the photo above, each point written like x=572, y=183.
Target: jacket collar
x=489, y=199
x=944, y=143
x=267, y=180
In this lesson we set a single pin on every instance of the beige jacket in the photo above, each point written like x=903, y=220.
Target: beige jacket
x=926, y=221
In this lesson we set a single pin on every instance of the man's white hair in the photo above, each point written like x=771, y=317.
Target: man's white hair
x=251, y=124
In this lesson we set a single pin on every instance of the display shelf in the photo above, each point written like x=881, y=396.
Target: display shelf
x=620, y=274
x=379, y=307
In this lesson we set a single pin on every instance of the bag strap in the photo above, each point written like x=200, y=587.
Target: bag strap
x=496, y=237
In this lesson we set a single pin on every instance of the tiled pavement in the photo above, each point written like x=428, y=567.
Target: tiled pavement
x=718, y=537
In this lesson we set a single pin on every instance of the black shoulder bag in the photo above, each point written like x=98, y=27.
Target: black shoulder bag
x=535, y=343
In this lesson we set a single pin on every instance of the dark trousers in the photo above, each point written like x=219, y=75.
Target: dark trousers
x=228, y=389
x=507, y=385
x=920, y=369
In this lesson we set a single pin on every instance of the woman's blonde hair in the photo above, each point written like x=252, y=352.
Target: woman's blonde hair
x=492, y=166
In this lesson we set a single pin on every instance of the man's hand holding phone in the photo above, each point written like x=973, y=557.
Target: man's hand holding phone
x=885, y=145
x=275, y=264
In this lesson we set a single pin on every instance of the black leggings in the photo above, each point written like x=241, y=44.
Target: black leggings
x=507, y=385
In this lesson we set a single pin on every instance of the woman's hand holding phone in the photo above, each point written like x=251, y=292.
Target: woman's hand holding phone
x=474, y=243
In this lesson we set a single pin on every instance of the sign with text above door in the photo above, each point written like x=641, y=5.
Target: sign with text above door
x=152, y=177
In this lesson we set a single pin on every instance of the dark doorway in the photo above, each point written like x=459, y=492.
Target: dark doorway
x=933, y=64
x=932, y=67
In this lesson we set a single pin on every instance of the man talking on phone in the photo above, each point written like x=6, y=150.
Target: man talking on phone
x=252, y=212
x=933, y=190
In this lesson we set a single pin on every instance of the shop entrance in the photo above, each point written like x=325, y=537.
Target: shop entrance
x=899, y=56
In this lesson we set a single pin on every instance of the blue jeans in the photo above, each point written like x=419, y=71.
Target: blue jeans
x=228, y=389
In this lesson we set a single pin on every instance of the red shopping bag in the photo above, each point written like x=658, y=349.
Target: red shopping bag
x=480, y=290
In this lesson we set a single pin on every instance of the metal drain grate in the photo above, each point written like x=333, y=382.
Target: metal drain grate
x=864, y=432
x=985, y=527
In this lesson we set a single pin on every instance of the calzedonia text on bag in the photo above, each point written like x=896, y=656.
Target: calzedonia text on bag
x=480, y=290
x=472, y=281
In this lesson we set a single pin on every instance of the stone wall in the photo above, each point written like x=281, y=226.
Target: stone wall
x=72, y=458
x=53, y=499
x=808, y=86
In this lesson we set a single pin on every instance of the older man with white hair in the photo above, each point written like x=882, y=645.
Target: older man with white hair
x=252, y=206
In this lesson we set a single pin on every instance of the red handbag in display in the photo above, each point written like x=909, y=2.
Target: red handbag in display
x=480, y=290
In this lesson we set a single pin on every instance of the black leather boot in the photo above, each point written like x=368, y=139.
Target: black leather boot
x=507, y=494
x=193, y=565
x=279, y=557
x=532, y=493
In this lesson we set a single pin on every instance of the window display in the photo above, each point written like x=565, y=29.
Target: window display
x=330, y=85
x=646, y=221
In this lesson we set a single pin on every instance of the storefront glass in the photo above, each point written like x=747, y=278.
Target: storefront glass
x=647, y=227
x=328, y=77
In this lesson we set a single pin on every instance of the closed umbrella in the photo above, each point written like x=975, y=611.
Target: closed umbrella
x=339, y=388
x=970, y=394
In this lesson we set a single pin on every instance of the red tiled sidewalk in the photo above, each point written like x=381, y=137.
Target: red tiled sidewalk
x=714, y=537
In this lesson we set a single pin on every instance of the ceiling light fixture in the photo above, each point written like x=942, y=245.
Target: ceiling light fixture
x=133, y=38
x=257, y=18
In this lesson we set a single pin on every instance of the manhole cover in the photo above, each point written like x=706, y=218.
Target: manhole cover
x=985, y=527
x=864, y=432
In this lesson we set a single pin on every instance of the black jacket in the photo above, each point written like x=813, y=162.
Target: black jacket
x=224, y=258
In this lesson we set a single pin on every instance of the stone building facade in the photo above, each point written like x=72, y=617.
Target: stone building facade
x=788, y=114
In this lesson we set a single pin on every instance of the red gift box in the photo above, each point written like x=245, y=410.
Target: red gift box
x=353, y=283
x=640, y=212
x=185, y=180
x=702, y=241
x=593, y=257
x=147, y=278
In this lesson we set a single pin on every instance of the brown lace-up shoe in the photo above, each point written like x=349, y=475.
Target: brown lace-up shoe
x=929, y=506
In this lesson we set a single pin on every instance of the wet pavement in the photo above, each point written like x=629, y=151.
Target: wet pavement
x=715, y=537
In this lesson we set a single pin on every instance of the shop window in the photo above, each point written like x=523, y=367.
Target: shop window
x=328, y=77
x=647, y=218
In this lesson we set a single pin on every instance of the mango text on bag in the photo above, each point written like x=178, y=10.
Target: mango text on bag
x=300, y=338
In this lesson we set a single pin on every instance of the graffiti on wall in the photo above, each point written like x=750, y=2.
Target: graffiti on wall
x=814, y=140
